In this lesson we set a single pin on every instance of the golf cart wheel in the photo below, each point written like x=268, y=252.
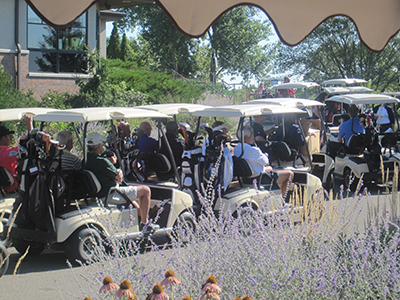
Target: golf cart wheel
x=4, y=261
x=184, y=226
x=81, y=246
x=35, y=248
x=330, y=181
x=348, y=176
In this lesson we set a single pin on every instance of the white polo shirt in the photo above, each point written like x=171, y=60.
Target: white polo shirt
x=256, y=158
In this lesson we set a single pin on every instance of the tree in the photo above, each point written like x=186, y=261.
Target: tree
x=114, y=43
x=234, y=38
x=334, y=50
x=126, y=49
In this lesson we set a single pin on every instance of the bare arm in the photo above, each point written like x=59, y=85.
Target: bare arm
x=119, y=177
x=28, y=120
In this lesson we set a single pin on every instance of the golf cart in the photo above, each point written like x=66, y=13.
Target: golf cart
x=296, y=85
x=240, y=192
x=63, y=211
x=370, y=155
x=322, y=165
x=7, y=179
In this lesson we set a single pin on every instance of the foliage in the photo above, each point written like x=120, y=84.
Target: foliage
x=10, y=97
x=114, y=43
x=264, y=258
x=159, y=86
x=334, y=50
x=172, y=49
x=126, y=49
x=235, y=39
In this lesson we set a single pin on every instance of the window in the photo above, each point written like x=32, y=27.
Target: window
x=57, y=50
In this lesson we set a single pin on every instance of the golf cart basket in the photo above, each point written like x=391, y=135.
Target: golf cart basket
x=41, y=187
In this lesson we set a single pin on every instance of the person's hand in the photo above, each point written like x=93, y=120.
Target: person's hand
x=119, y=177
x=27, y=119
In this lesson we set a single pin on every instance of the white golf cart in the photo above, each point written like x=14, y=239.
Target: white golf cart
x=296, y=85
x=322, y=165
x=196, y=168
x=366, y=154
x=51, y=217
x=7, y=179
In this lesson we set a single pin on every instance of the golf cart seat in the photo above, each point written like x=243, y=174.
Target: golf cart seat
x=355, y=145
x=83, y=184
x=243, y=170
x=337, y=117
x=6, y=179
x=156, y=162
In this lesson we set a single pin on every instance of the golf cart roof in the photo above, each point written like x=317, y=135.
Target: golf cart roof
x=175, y=108
x=98, y=114
x=336, y=90
x=292, y=102
x=342, y=81
x=12, y=114
x=295, y=85
x=246, y=110
x=364, y=99
x=392, y=93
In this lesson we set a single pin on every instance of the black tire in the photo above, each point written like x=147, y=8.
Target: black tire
x=81, y=246
x=4, y=261
x=347, y=177
x=35, y=248
x=184, y=221
x=330, y=181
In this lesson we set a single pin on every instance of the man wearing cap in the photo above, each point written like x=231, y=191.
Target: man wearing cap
x=69, y=161
x=8, y=155
x=109, y=177
x=260, y=135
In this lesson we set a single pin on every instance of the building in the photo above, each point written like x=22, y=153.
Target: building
x=42, y=58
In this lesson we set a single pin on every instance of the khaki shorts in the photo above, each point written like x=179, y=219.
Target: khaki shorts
x=115, y=197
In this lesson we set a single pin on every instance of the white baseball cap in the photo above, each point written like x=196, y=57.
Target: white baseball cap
x=95, y=139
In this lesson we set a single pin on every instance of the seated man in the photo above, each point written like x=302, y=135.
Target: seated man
x=259, y=160
x=294, y=136
x=146, y=143
x=347, y=129
x=109, y=177
x=69, y=161
x=8, y=155
x=260, y=135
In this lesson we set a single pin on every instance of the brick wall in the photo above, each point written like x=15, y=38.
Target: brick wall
x=39, y=83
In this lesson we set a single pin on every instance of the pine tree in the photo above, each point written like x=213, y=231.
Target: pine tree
x=114, y=43
x=126, y=49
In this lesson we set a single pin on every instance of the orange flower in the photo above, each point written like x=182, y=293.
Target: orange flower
x=246, y=298
x=211, y=286
x=170, y=279
x=125, y=290
x=87, y=298
x=157, y=294
x=187, y=298
x=108, y=285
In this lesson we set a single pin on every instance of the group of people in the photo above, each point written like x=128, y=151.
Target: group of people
x=280, y=93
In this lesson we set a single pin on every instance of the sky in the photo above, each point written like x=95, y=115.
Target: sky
x=227, y=78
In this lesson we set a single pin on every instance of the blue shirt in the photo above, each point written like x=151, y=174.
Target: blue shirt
x=147, y=144
x=346, y=131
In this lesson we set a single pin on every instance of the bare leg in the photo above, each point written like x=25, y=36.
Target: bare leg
x=143, y=196
x=285, y=178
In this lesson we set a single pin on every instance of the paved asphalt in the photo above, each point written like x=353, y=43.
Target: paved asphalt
x=47, y=276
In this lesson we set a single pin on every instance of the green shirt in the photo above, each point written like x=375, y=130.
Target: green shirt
x=104, y=171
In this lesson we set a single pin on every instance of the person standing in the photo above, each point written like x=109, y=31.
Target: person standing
x=286, y=93
x=384, y=116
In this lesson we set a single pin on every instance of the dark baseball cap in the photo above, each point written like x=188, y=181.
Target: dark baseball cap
x=5, y=131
